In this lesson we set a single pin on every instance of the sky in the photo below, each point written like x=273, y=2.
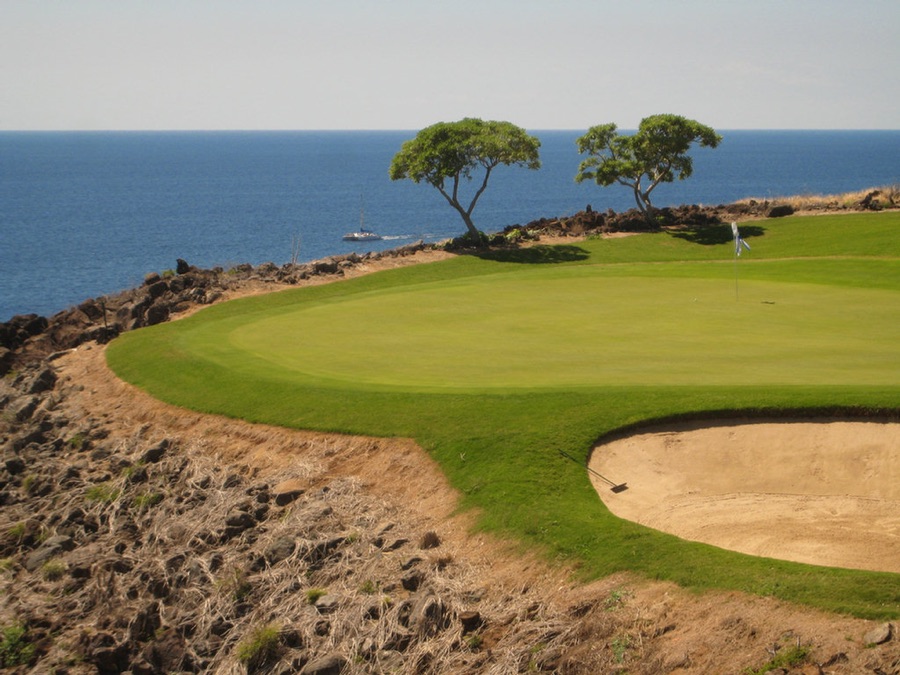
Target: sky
x=406, y=64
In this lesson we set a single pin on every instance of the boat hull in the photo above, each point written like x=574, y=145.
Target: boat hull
x=361, y=236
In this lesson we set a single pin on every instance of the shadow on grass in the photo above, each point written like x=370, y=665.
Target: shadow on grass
x=536, y=255
x=712, y=235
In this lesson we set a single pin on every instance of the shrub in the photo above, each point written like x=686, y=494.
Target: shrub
x=28, y=483
x=787, y=658
x=517, y=235
x=53, y=570
x=368, y=587
x=313, y=594
x=145, y=501
x=260, y=646
x=620, y=647
x=103, y=493
x=467, y=241
x=14, y=648
x=236, y=584
x=616, y=599
x=17, y=531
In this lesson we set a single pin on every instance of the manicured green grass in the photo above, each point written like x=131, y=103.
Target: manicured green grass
x=496, y=364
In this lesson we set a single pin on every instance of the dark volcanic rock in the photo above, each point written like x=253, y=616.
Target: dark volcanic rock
x=45, y=380
x=780, y=211
x=49, y=549
x=155, y=452
x=327, y=665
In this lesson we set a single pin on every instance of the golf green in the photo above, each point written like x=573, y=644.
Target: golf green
x=576, y=328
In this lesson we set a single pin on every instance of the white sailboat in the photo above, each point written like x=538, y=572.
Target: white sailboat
x=362, y=234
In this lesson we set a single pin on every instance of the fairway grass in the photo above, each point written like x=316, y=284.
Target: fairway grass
x=495, y=366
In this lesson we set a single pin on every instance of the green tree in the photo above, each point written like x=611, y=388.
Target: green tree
x=447, y=152
x=655, y=154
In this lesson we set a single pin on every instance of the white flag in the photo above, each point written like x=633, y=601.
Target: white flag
x=739, y=243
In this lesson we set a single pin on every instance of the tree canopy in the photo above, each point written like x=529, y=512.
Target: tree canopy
x=447, y=152
x=655, y=154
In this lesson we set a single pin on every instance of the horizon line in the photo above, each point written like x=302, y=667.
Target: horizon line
x=391, y=129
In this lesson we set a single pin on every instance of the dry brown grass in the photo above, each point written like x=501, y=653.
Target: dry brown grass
x=887, y=197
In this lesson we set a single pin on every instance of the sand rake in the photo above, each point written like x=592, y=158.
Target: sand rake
x=615, y=487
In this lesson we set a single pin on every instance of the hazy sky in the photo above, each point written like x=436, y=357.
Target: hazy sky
x=405, y=64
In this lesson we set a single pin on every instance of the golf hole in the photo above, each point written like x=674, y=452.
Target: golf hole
x=810, y=491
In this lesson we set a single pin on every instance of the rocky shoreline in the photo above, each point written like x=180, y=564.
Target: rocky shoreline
x=139, y=538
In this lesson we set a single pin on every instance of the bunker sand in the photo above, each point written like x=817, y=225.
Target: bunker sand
x=811, y=491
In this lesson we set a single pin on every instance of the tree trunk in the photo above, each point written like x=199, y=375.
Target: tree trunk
x=470, y=226
x=465, y=215
x=643, y=203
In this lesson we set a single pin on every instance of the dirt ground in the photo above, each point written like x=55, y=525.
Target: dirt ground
x=643, y=625
x=825, y=493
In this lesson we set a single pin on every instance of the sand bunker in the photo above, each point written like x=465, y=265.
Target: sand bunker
x=826, y=493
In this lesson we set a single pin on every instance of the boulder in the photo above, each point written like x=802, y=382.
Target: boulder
x=325, y=267
x=429, y=615
x=177, y=284
x=413, y=579
x=879, y=635
x=51, y=548
x=471, y=621
x=23, y=408
x=281, y=549
x=780, y=211
x=31, y=324
x=6, y=359
x=327, y=604
x=287, y=491
x=870, y=202
x=92, y=310
x=157, y=313
x=333, y=664
x=155, y=452
x=409, y=563
x=240, y=520
x=45, y=380
x=15, y=465
x=157, y=288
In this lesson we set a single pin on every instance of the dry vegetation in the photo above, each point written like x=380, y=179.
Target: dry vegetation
x=887, y=197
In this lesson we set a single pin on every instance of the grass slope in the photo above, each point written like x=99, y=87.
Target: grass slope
x=495, y=364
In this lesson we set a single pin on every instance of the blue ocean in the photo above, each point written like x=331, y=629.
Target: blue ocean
x=84, y=214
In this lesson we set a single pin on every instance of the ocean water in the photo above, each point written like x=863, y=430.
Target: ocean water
x=84, y=214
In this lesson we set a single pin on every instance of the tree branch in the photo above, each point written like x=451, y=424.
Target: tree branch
x=487, y=174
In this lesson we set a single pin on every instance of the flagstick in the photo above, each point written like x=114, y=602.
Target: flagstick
x=737, y=251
